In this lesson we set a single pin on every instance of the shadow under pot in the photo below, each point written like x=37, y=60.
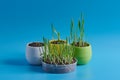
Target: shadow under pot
x=34, y=53
x=83, y=53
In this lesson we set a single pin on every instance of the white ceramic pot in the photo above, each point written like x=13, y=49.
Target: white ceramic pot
x=34, y=54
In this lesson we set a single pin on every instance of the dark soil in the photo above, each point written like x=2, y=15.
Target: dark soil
x=85, y=44
x=36, y=44
x=48, y=61
x=58, y=42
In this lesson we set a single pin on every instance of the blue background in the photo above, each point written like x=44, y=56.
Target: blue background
x=23, y=21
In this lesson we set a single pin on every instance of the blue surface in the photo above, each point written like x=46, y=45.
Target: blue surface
x=23, y=21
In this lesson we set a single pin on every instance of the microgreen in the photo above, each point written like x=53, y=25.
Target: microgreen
x=55, y=32
x=74, y=32
x=52, y=56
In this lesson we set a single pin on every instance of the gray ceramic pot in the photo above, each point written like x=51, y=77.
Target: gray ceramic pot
x=51, y=68
x=34, y=54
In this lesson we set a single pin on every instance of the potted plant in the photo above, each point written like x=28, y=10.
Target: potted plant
x=82, y=52
x=58, y=42
x=58, y=62
x=34, y=52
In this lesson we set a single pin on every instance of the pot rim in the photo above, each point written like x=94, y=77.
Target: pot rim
x=32, y=46
x=56, y=40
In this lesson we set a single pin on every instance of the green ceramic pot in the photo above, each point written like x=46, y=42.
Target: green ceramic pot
x=83, y=54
